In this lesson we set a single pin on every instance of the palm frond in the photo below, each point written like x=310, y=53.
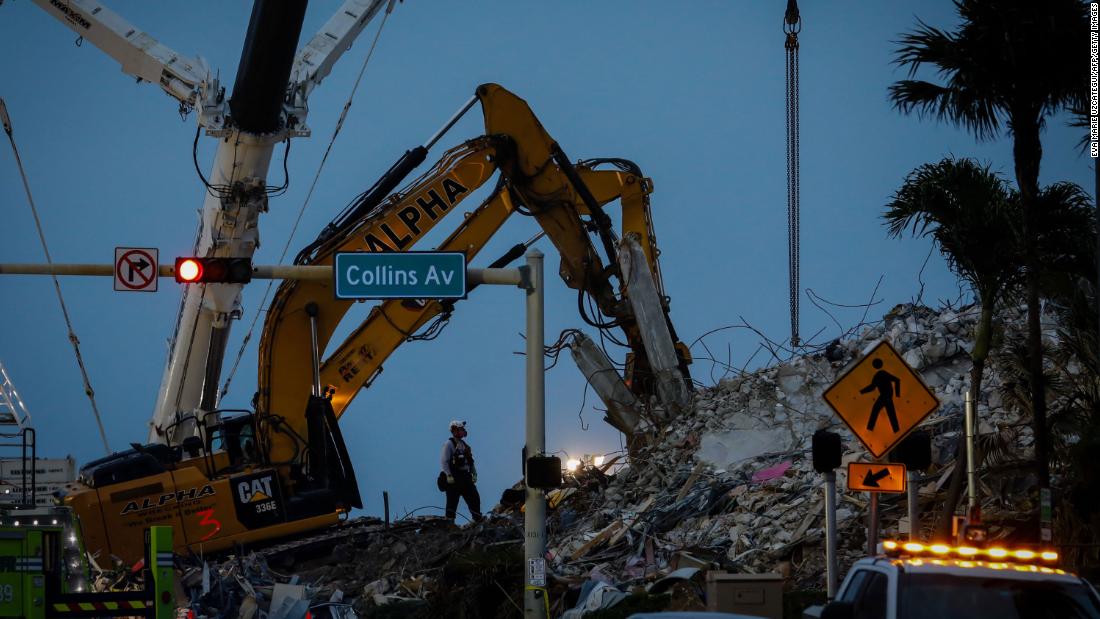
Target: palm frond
x=969, y=213
x=1009, y=63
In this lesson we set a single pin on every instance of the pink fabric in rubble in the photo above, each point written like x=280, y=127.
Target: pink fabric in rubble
x=771, y=472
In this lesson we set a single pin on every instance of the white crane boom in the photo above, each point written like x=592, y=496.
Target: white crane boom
x=230, y=212
x=139, y=54
x=314, y=62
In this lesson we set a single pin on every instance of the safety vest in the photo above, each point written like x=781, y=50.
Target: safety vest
x=461, y=460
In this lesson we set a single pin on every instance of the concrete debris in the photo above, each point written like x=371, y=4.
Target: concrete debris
x=727, y=485
x=757, y=502
x=288, y=602
x=597, y=596
x=422, y=565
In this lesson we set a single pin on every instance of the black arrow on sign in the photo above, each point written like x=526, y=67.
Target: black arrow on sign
x=871, y=478
x=140, y=266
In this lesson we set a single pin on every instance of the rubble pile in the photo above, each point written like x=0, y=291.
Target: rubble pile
x=731, y=485
x=419, y=566
x=727, y=485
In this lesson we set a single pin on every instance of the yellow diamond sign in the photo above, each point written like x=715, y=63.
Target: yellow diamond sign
x=881, y=399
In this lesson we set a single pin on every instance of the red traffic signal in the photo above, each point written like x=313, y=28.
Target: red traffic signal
x=195, y=270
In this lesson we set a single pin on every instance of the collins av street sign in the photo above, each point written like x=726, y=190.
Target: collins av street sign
x=400, y=275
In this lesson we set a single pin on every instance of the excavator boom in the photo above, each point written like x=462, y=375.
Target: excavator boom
x=566, y=200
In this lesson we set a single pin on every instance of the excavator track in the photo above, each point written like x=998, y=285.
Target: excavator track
x=356, y=529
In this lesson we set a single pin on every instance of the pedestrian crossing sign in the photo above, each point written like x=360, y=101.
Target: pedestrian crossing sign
x=881, y=399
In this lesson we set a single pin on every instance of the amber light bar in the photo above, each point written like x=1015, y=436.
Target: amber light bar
x=895, y=548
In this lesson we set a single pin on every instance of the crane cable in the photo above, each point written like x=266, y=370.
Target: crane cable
x=792, y=25
x=57, y=286
x=305, y=203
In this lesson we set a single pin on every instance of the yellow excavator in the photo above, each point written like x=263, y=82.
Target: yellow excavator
x=283, y=469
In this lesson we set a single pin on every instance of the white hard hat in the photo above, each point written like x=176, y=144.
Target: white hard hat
x=456, y=423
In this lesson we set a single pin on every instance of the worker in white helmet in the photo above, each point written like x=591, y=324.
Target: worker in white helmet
x=457, y=462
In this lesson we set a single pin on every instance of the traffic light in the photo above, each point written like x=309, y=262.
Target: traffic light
x=543, y=472
x=914, y=451
x=827, y=451
x=194, y=270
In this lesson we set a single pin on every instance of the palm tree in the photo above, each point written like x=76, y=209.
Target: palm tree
x=1011, y=64
x=972, y=216
x=1065, y=240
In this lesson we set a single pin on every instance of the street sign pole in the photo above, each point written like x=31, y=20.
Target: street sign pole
x=872, y=526
x=911, y=503
x=830, y=534
x=971, y=478
x=876, y=478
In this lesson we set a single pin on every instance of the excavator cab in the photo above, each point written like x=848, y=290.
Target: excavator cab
x=236, y=436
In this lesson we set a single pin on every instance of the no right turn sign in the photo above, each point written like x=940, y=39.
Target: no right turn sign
x=136, y=269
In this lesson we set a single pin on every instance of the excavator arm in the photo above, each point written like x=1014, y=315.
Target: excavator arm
x=285, y=368
x=536, y=178
x=359, y=359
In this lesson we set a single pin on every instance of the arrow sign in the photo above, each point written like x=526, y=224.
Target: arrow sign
x=876, y=476
x=872, y=478
x=140, y=265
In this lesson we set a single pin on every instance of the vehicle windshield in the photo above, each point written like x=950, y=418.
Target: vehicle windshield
x=943, y=596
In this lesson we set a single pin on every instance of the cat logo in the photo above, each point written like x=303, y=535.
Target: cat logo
x=255, y=490
x=257, y=500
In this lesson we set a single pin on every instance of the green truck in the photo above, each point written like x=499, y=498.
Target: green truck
x=43, y=572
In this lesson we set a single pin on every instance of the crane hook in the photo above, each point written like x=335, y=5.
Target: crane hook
x=792, y=21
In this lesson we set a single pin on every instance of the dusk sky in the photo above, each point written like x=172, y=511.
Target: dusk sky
x=693, y=92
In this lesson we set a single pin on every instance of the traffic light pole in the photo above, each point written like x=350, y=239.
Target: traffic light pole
x=309, y=272
x=316, y=273
x=830, y=535
x=534, y=520
x=530, y=279
x=912, y=505
x=872, y=526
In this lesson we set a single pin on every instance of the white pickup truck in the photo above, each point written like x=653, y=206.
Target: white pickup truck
x=956, y=588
